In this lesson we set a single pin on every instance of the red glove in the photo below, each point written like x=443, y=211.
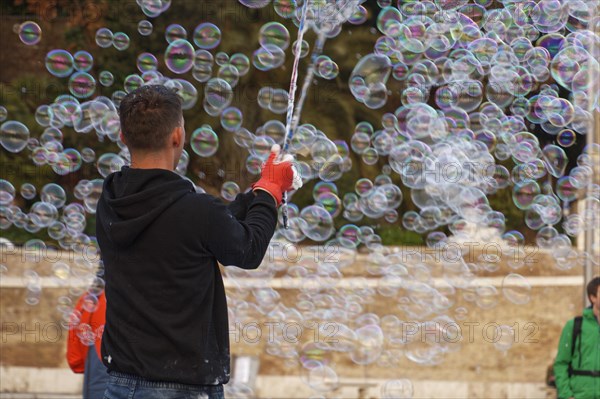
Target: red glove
x=278, y=177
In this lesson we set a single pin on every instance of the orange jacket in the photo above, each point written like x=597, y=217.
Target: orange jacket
x=77, y=350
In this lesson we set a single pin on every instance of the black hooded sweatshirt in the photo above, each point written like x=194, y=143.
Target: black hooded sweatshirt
x=166, y=314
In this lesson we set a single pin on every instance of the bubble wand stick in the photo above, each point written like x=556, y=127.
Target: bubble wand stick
x=291, y=97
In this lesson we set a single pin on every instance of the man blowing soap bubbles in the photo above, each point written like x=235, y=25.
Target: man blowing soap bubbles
x=166, y=332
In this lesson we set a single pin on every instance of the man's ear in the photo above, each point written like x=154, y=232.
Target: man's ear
x=177, y=136
x=122, y=137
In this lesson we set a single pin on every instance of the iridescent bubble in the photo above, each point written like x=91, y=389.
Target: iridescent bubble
x=524, y=193
x=59, y=63
x=349, y=236
x=231, y=119
x=132, y=82
x=326, y=68
x=151, y=8
x=83, y=61
x=204, y=141
x=566, y=188
x=218, y=93
x=555, y=160
x=268, y=57
x=279, y=101
x=552, y=42
x=516, y=289
x=3, y=113
x=222, y=58
x=274, y=33
x=274, y=129
x=104, y=37
x=229, y=190
x=370, y=340
x=331, y=202
x=241, y=62
x=108, y=163
x=106, y=78
x=202, y=73
x=175, y=32
x=207, y=36
x=145, y=27
x=147, y=62
x=121, y=41
x=7, y=192
x=28, y=191
x=13, y=136
x=82, y=84
x=179, y=56
x=53, y=194
x=304, y=48
x=319, y=223
x=397, y=389
x=30, y=33
x=322, y=378
x=88, y=154
x=566, y=138
x=230, y=74
x=255, y=3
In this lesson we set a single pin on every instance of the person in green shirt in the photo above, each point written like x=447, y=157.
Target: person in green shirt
x=577, y=370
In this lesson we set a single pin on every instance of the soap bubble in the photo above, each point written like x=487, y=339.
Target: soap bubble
x=322, y=378
x=13, y=136
x=274, y=33
x=179, y=56
x=516, y=289
x=369, y=346
x=53, y=194
x=566, y=138
x=207, y=36
x=566, y=188
x=397, y=389
x=108, y=163
x=175, y=32
x=319, y=223
x=555, y=160
x=503, y=338
x=241, y=62
x=83, y=61
x=204, y=141
x=147, y=62
x=106, y=78
x=145, y=27
x=229, y=190
x=104, y=37
x=121, y=41
x=59, y=63
x=231, y=119
x=268, y=57
x=28, y=191
x=82, y=84
x=7, y=192
x=524, y=193
x=218, y=93
x=255, y=3
x=30, y=33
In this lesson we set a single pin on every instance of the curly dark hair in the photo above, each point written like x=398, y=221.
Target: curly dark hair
x=148, y=116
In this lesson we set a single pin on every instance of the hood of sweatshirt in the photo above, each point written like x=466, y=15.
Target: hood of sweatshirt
x=133, y=198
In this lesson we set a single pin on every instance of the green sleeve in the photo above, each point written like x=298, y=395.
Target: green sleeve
x=561, y=363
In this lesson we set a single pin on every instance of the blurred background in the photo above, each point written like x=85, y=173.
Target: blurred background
x=448, y=221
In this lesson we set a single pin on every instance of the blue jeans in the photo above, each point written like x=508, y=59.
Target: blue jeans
x=125, y=386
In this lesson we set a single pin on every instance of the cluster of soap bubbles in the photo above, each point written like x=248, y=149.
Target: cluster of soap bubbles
x=474, y=87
